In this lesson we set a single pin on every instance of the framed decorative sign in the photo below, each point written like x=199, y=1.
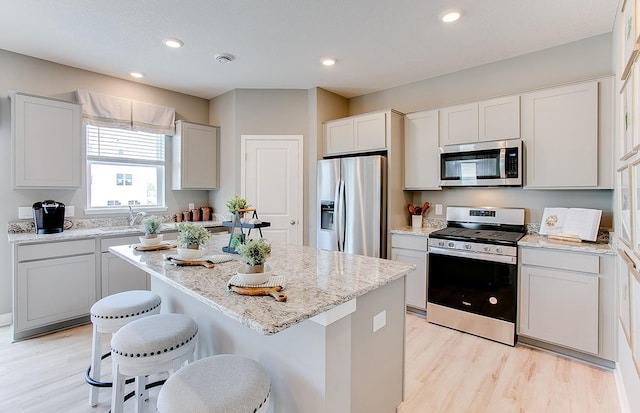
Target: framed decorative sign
x=626, y=111
x=629, y=36
x=634, y=282
x=625, y=205
x=625, y=274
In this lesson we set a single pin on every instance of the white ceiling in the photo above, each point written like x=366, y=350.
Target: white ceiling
x=279, y=43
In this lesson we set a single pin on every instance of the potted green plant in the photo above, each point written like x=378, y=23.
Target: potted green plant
x=253, y=255
x=190, y=240
x=151, y=228
x=235, y=204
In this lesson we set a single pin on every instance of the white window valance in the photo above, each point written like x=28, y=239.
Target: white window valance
x=114, y=112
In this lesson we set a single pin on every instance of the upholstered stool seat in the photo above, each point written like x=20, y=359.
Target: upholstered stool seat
x=150, y=345
x=108, y=315
x=219, y=384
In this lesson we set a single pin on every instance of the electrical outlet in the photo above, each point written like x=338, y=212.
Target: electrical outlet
x=379, y=320
x=25, y=212
x=69, y=211
x=438, y=209
x=191, y=206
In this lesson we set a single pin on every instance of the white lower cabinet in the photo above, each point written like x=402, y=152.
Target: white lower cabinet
x=54, y=285
x=117, y=274
x=568, y=299
x=412, y=249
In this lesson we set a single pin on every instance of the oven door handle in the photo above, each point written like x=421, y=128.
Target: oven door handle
x=474, y=255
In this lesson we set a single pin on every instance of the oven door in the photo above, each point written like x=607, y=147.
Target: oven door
x=484, y=286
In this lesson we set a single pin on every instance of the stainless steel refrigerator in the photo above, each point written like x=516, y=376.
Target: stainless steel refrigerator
x=352, y=205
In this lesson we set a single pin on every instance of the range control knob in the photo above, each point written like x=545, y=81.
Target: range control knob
x=499, y=250
x=441, y=243
x=467, y=246
x=451, y=244
x=487, y=248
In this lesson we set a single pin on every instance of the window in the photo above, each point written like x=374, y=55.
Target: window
x=124, y=168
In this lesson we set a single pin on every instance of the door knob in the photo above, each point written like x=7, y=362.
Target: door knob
x=292, y=222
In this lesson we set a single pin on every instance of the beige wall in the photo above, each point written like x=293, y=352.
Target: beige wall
x=585, y=59
x=255, y=112
x=25, y=74
x=323, y=106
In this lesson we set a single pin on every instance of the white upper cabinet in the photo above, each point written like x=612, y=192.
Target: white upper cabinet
x=195, y=156
x=565, y=147
x=46, y=142
x=459, y=124
x=363, y=133
x=499, y=119
x=487, y=120
x=421, y=153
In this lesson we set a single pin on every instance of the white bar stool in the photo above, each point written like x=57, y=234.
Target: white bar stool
x=108, y=315
x=219, y=384
x=154, y=344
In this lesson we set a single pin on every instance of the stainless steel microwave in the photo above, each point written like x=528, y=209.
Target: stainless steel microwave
x=497, y=163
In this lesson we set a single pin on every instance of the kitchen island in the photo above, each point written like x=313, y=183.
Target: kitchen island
x=335, y=345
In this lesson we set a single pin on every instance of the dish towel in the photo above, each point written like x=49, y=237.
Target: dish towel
x=273, y=281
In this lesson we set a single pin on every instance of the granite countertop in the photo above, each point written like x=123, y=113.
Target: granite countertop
x=95, y=232
x=317, y=281
x=601, y=246
x=542, y=241
x=409, y=230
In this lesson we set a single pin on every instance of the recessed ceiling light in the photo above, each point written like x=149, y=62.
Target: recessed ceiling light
x=173, y=43
x=329, y=61
x=137, y=75
x=450, y=16
x=224, y=57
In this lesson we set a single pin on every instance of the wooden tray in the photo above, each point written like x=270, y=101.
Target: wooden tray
x=272, y=291
x=154, y=247
x=184, y=263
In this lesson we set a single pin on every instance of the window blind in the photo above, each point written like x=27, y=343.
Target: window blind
x=124, y=146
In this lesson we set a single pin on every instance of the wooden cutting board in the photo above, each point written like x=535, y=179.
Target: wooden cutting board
x=185, y=263
x=272, y=291
x=154, y=247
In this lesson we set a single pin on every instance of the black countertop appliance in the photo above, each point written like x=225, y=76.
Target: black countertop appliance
x=48, y=217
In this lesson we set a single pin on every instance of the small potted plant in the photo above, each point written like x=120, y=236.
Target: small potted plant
x=151, y=228
x=253, y=254
x=417, y=213
x=235, y=204
x=190, y=240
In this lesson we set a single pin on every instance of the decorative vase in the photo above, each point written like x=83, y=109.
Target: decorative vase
x=251, y=269
x=151, y=239
x=416, y=221
x=254, y=278
x=189, y=253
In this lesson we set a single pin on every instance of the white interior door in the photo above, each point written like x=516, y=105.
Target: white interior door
x=271, y=181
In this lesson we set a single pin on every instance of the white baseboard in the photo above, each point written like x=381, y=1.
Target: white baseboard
x=5, y=319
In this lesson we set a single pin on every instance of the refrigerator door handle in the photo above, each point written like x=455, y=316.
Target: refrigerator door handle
x=339, y=215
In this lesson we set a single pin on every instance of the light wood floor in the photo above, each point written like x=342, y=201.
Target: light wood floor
x=447, y=371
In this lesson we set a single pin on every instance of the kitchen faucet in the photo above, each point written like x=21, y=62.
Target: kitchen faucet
x=132, y=218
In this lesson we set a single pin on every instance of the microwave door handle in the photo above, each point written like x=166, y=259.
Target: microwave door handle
x=503, y=163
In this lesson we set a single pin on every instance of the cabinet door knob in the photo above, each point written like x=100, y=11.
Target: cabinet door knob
x=292, y=222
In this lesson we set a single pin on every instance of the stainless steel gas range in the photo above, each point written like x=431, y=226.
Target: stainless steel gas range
x=473, y=271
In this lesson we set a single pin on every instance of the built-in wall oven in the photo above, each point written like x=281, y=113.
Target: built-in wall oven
x=473, y=272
